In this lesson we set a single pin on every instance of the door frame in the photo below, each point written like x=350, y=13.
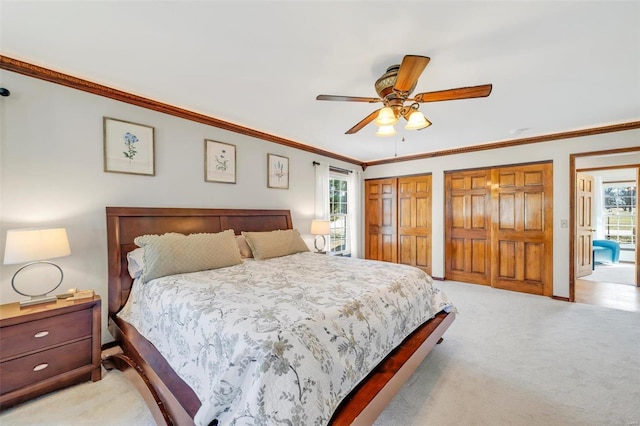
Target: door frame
x=572, y=211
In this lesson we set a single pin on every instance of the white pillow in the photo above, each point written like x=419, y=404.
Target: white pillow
x=135, y=261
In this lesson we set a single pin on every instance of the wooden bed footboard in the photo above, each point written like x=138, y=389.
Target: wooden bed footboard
x=172, y=402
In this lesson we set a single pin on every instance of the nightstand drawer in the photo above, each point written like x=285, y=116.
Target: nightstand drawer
x=43, y=365
x=33, y=335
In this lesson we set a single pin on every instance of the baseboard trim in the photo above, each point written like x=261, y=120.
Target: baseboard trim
x=438, y=278
x=564, y=299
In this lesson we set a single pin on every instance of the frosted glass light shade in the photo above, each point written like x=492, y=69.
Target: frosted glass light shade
x=417, y=121
x=320, y=227
x=386, y=117
x=33, y=244
x=386, y=131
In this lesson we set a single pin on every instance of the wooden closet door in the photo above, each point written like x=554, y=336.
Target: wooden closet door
x=522, y=230
x=468, y=226
x=380, y=238
x=414, y=221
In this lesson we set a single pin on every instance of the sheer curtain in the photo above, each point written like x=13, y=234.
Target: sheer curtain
x=322, y=190
x=354, y=202
x=354, y=207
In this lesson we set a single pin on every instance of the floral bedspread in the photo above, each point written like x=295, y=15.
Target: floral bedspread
x=282, y=340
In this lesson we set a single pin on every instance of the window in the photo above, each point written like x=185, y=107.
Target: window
x=338, y=215
x=620, y=213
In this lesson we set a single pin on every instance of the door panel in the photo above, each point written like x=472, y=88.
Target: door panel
x=479, y=211
x=584, y=224
x=522, y=232
x=507, y=208
x=533, y=258
x=423, y=253
x=457, y=213
x=479, y=256
x=414, y=213
x=507, y=259
x=456, y=256
x=380, y=240
x=533, y=211
x=467, y=224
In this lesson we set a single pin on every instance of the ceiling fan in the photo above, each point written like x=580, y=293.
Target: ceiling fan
x=394, y=88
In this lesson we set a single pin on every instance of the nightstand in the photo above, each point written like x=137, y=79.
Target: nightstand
x=47, y=347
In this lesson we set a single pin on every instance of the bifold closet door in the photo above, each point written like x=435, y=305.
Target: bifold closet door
x=414, y=221
x=468, y=226
x=381, y=235
x=522, y=229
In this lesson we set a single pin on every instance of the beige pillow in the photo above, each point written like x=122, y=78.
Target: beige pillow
x=265, y=245
x=174, y=253
x=245, y=250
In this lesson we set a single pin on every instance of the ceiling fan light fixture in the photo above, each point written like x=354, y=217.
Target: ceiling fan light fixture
x=386, y=117
x=386, y=130
x=417, y=121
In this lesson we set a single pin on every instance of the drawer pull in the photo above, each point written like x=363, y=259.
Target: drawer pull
x=40, y=334
x=40, y=367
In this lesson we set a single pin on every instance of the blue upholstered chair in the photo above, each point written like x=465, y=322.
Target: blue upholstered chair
x=606, y=251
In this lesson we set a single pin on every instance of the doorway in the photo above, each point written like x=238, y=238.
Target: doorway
x=604, y=232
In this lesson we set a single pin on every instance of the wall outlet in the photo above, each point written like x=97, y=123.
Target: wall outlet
x=564, y=223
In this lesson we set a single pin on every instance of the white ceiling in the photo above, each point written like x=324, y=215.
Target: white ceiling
x=554, y=66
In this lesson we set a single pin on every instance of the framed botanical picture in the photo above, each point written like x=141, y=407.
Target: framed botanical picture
x=277, y=171
x=219, y=162
x=128, y=147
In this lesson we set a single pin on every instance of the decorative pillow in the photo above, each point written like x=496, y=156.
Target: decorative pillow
x=245, y=250
x=135, y=262
x=265, y=245
x=174, y=253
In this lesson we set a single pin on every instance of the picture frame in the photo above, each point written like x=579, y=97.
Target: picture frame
x=128, y=147
x=277, y=171
x=219, y=162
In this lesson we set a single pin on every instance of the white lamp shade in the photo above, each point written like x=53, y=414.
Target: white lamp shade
x=386, y=131
x=417, y=121
x=386, y=117
x=30, y=245
x=320, y=227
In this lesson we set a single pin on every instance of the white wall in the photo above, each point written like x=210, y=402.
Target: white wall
x=51, y=170
x=557, y=151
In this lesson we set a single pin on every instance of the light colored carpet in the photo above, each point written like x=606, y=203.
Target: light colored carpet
x=617, y=273
x=112, y=401
x=508, y=359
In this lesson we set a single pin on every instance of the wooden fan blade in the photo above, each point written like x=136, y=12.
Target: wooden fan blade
x=409, y=72
x=347, y=98
x=368, y=119
x=453, y=94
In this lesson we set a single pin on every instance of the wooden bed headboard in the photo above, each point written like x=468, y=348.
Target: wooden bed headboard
x=124, y=224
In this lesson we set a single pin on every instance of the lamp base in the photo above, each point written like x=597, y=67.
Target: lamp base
x=36, y=300
x=324, y=243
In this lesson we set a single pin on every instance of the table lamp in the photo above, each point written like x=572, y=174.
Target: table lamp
x=35, y=245
x=320, y=228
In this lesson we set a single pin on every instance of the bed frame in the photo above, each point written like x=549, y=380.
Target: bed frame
x=169, y=398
